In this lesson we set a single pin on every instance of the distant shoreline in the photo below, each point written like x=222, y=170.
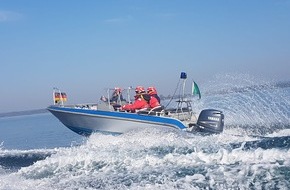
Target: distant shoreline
x=20, y=113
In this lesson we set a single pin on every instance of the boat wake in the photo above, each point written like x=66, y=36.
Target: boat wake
x=155, y=158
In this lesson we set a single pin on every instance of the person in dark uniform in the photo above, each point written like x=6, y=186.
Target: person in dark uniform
x=117, y=96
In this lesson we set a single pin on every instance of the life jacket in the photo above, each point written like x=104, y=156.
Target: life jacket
x=151, y=100
x=146, y=97
x=139, y=103
x=157, y=97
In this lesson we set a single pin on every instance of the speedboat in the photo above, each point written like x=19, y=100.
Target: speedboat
x=105, y=116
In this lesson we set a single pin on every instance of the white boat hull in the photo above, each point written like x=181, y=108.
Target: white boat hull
x=86, y=121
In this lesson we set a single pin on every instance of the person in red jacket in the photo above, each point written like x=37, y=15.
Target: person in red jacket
x=154, y=100
x=139, y=102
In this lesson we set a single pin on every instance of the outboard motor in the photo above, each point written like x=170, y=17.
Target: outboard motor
x=210, y=121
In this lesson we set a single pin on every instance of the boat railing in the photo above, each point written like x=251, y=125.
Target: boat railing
x=158, y=111
x=120, y=99
x=89, y=106
x=182, y=111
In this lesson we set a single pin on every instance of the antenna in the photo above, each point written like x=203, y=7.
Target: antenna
x=53, y=95
x=128, y=93
x=108, y=95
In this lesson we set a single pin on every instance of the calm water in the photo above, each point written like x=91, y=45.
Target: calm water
x=38, y=152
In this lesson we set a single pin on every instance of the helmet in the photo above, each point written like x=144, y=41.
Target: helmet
x=117, y=89
x=139, y=89
x=151, y=90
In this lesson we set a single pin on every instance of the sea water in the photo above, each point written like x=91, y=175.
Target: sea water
x=253, y=152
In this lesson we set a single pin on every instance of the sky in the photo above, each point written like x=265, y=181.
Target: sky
x=84, y=47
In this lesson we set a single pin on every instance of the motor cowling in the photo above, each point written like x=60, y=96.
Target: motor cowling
x=210, y=121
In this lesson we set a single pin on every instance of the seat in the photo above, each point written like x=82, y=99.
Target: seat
x=156, y=109
x=143, y=111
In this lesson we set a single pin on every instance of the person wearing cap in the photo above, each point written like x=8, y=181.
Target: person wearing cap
x=117, y=96
x=154, y=100
x=139, y=103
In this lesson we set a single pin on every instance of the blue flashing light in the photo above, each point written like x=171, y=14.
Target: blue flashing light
x=183, y=75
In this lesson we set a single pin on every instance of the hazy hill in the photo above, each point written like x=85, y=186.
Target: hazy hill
x=19, y=113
